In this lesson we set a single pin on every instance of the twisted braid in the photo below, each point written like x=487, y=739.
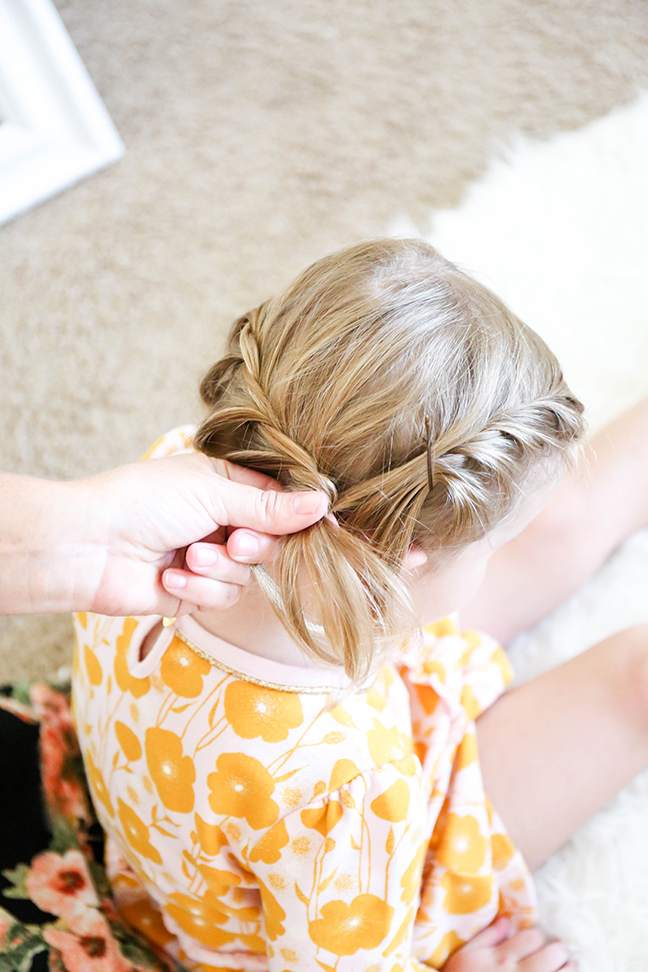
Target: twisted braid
x=279, y=453
x=414, y=399
x=337, y=558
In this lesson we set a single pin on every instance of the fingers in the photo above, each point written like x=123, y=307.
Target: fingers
x=238, y=501
x=213, y=560
x=551, y=958
x=203, y=592
x=525, y=951
x=211, y=579
x=521, y=944
x=528, y=951
x=250, y=548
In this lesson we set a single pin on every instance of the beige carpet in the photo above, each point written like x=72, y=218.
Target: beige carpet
x=258, y=136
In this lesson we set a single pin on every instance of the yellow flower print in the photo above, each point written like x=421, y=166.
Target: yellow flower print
x=136, y=686
x=433, y=667
x=386, y=745
x=197, y=916
x=172, y=773
x=210, y=837
x=462, y=847
x=144, y=918
x=401, y=934
x=442, y=628
x=471, y=639
x=466, y=893
x=449, y=944
x=342, y=716
x=219, y=882
x=323, y=819
x=500, y=658
x=269, y=848
x=254, y=943
x=99, y=788
x=343, y=771
x=503, y=850
x=344, y=928
x=411, y=879
x=93, y=668
x=182, y=670
x=376, y=699
x=154, y=447
x=393, y=804
x=137, y=833
x=273, y=913
x=466, y=752
x=407, y=766
x=427, y=697
x=254, y=711
x=130, y=744
x=301, y=846
x=420, y=749
x=242, y=787
x=469, y=701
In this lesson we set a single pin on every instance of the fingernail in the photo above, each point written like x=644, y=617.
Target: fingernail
x=205, y=557
x=306, y=503
x=246, y=545
x=171, y=579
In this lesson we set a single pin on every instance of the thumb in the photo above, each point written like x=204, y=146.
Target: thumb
x=268, y=510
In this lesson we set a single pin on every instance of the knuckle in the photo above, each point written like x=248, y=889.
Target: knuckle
x=270, y=504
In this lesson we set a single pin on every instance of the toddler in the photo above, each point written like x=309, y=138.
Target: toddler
x=295, y=784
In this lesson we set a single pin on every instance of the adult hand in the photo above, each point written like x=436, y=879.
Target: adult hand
x=134, y=540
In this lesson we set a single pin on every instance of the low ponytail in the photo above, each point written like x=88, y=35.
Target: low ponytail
x=361, y=603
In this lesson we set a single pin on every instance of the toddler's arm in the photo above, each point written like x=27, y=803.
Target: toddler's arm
x=602, y=501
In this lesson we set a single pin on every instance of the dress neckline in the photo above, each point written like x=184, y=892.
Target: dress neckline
x=254, y=668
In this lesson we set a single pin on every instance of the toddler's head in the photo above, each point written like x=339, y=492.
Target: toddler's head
x=416, y=400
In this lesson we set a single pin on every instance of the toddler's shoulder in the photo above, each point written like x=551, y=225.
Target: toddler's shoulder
x=468, y=668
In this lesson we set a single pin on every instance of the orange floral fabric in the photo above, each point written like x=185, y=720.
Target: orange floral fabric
x=253, y=828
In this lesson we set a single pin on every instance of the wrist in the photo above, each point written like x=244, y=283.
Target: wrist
x=74, y=560
x=50, y=554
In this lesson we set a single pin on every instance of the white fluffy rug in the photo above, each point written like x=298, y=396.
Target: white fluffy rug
x=560, y=230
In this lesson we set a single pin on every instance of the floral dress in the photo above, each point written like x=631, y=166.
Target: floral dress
x=255, y=824
x=254, y=818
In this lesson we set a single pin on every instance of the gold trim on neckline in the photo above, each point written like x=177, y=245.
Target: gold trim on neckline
x=277, y=686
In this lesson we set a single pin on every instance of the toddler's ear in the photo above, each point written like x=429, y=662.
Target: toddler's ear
x=415, y=557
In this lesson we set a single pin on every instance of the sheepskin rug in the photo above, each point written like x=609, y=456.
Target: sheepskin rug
x=560, y=230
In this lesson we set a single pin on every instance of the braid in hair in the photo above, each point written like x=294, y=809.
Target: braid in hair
x=343, y=569
x=412, y=397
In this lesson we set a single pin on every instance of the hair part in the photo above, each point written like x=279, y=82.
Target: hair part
x=383, y=363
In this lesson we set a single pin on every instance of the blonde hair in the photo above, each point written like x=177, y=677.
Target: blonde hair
x=329, y=385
